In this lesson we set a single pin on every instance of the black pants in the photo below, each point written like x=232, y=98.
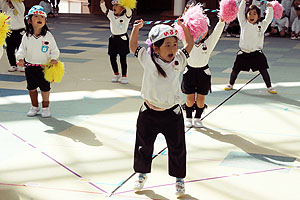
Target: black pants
x=13, y=42
x=114, y=64
x=170, y=123
x=264, y=73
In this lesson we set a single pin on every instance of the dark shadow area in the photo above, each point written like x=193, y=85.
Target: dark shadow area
x=9, y=195
x=151, y=194
x=256, y=151
x=187, y=197
x=66, y=129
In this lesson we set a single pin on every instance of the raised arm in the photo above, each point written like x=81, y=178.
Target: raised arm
x=241, y=14
x=103, y=7
x=188, y=37
x=269, y=16
x=133, y=41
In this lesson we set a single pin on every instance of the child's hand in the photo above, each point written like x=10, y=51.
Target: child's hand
x=138, y=23
x=102, y=1
x=269, y=4
x=21, y=63
x=179, y=21
x=53, y=62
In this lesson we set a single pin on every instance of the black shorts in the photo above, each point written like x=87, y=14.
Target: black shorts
x=255, y=61
x=196, y=80
x=116, y=45
x=35, y=78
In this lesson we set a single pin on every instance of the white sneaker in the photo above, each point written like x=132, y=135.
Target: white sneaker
x=180, y=189
x=139, y=184
x=271, y=90
x=188, y=122
x=198, y=123
x=228, y=35
x=22, y=69
x=293, y=38
x=116, y=78
x=13, y=69
x=124, y=80
x=33, y=111
x=228, y=87
x=237, y=35
x=45, y=112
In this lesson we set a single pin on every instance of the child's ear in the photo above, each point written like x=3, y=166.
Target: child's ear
x=155, y=49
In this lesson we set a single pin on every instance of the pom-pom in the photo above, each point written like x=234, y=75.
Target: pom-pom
x=128, y=4
x=228, y=10
x=196, y=21
x=4, y=28
x=277, y=9
x=54, y=73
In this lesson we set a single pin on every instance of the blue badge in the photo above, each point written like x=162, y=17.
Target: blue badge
x=44, y=49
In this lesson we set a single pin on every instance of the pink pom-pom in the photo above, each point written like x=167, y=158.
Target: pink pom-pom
x=228, y=10
x=196, y=21
x=278, y=9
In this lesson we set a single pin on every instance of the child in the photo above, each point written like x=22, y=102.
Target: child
x=161, y=112
x=280, y=26
x=16, y=10
x=55, y=7
x=250, y=56
x=38, y=47
x=296, y=26
x=118, y=43
x=196, y=82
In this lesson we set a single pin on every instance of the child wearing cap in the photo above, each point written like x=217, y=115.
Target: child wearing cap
x=161, y=111
x=118, y=42
x=38, y=47
x=15, y=9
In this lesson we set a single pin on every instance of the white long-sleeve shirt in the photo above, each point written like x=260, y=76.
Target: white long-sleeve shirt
x=280, y=23
x=16, y=14
x=252, y=35
x=162, y=92
x=296, y=25
x=293, y=15
x=38, y=50
x=199, y=56
x=118, y=24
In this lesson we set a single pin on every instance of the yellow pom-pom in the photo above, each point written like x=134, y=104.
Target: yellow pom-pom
x=54, y=73
x=128, y=4
x=4, y=28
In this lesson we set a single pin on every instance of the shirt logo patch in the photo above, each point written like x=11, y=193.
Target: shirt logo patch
x=45, y=46
x=15, y=12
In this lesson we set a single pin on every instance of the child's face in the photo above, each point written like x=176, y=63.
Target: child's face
x=117, y=9
x=168, y=49
x=252, y=16
x=38, y=21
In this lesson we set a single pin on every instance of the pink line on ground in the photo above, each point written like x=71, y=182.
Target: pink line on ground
x=51, y=158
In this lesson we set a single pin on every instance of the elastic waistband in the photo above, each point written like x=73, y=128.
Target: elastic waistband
x=201, y=68
x=169, y=109
x=119, y=35
x=33, y=65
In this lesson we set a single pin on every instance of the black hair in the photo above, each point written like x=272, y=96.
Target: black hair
x=190, y=2
x=253, y=7
x=158, y=44
x=29, y=28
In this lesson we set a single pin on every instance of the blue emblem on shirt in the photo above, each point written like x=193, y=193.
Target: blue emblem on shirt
x=45, y=46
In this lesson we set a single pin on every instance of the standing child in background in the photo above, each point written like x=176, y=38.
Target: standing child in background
x=118, y=43
x=196, y=82
x=296, y=26
x=287, y=6
x=38, y=48
x=16, y=10
x=280, y=26
x=161, y=112
x=250, y=55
